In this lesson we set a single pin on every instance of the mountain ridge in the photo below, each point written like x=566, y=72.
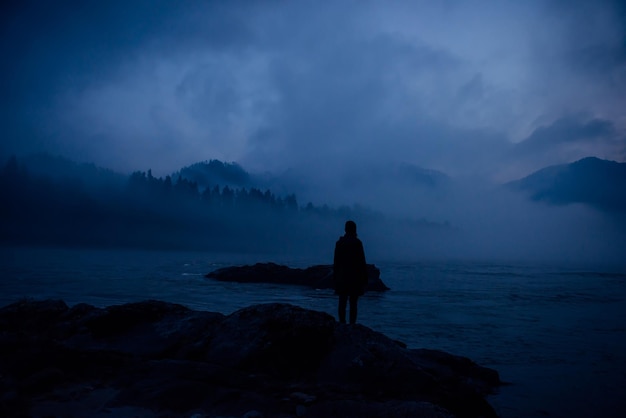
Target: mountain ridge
x=593, y=181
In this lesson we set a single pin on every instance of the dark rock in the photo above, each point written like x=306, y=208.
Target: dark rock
x=280, y=339
x=389, y=409
x=266, y=360
x=32, y=316
x=318, y=277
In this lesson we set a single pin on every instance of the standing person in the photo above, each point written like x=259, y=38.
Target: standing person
x=350, y=271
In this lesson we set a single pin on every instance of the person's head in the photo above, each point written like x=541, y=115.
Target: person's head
x=350, y=228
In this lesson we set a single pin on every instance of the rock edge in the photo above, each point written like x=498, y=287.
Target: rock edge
x=154, y=358
x=317, y=277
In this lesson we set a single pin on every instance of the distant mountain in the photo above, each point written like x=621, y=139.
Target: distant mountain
x=598, y=183
x=215, y=172
x=209, y=173
x=62, y=170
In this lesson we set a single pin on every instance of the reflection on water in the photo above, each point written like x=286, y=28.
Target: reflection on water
x=557, y=334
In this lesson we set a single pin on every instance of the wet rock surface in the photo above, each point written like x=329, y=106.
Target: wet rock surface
x=154, y=359
x=318, y=277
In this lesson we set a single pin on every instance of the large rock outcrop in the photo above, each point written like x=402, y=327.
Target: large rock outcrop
x=154, y=359
x=317, y=277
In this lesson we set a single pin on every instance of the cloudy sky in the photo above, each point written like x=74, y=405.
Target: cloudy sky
x=487, y=88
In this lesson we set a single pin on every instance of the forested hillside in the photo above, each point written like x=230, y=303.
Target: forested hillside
x=150, y=212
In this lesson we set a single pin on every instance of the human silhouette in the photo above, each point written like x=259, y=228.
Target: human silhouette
x=350, y=271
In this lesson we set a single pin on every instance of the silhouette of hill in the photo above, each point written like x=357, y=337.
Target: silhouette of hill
x=52, y=201
x=207, y=174
x=62, y=170
x=212, y=172
x=592, y=181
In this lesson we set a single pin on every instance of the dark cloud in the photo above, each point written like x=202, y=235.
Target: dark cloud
x=347, y=99
x=580, y=59
x=344, y=100
x=599, y=60
x=279, y=85
x=565, y=131
x=564, y=140
x=55, y=47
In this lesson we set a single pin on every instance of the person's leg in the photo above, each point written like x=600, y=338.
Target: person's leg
x=343, y=302
x=353, y=308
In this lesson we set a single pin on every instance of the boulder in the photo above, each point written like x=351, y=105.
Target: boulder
x=317, y=277
x=155, y=358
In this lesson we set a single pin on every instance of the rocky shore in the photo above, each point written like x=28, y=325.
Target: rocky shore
x=318, y=277
x=157, y=359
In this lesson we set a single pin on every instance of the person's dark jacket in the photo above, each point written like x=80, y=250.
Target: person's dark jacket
x=350, y=269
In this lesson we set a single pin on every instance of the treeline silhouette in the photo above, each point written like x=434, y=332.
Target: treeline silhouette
x=150, y=212
x=144, y=184
x=217, y=172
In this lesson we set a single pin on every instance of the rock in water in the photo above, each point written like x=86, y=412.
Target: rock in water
x=155, y=358
x=318, y=277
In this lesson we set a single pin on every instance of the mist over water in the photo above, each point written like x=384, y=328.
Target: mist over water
x=535, y=290
x=465, y=220
x=555, y=332
x=403, y=213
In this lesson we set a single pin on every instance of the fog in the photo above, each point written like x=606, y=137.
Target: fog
x=446, y=85
x=417, y=112
x=479, y=221
x=51, y=201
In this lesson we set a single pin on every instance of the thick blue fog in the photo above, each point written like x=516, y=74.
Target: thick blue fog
x=415, y=116
x=478, y=144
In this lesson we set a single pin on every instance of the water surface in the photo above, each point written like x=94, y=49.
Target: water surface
x=556, y=333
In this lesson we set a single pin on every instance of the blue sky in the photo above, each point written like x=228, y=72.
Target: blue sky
x=495, y=89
